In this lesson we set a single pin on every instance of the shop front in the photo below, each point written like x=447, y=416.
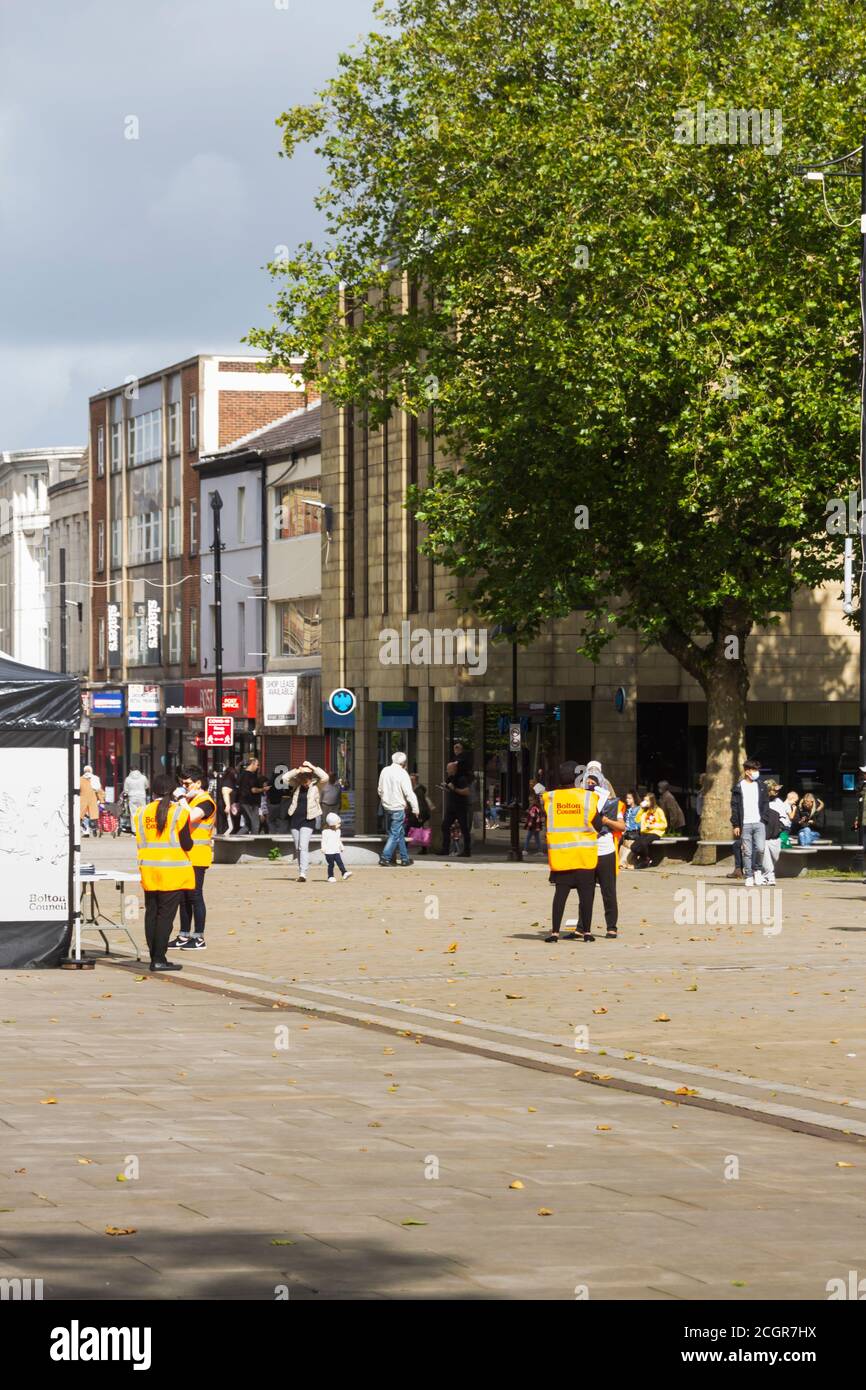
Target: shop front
x=189, y=704
x=291, y=720
x=105, y=708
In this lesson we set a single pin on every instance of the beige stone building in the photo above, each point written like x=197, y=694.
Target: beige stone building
x=636, y=710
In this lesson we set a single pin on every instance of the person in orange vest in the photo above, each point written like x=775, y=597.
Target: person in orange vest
x=607, y=867
x=202, y=815
x=573, y=822
x=163, y=841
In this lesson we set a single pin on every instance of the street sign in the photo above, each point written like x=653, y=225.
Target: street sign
x=342, y=702
x=219, y=732
x=515, y=742
x=231, y=704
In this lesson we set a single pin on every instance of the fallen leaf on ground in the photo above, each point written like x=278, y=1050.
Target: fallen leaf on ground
x=686, y=1091
x=411, y=1222
x=451, y=949
x=843, y=1164
x=662, y=1018
x=50, y=1100
x=544, y=1211
x=602, y=1010
x=517, y=1185
x=515, y=996
x=603, y=1126
x=282, y=1242
x=120, y=1230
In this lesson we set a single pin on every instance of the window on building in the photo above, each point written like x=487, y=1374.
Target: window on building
x=144, y=438
x=193, y=528
x=100, y=452
x=293, y=516
x=242, y=515
x=145, y=515
x=116, y=438
x=100, y=546
x=100, y=643
x=242, y=635
x=193, y=637
x=193, y=422
x=174, y=428
x=299, y=627
x=116, y=543
x=175, y=618
x=174, y=539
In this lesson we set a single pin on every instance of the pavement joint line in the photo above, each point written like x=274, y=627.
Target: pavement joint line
x=647, y=1059
x=803, y=1121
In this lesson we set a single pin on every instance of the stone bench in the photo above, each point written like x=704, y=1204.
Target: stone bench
x=236, y=849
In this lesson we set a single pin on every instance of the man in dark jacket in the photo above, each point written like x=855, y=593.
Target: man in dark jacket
x=671, y=807
x=750, y=810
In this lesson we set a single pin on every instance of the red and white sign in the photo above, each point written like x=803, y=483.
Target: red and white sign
x=231, y=704
x=219, y=732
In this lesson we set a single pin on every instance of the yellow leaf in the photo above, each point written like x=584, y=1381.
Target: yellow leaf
x=686, y=1091
x=388, y=1051
x=629, y=1056
x=531, y=1109
x=105, y=996
x=120, y=1230
x=691, y=989
x=451, y=949
x=517, y=1185
x=140, y=978
x=843, y=1164
x=282, y=1242
x=515, y=996
x=84, y=1160
x=544, y=1211
x=661, y=1018
x=603, y=1126
x=50, y=1100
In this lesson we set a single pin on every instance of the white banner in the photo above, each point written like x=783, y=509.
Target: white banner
x=280, y=700
x=34, y=834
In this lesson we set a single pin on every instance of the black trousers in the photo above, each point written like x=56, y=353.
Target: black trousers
x=160, y=910
x=456, y=809
x=192, y=904
x=640, y=845
x=335, y=861
x=605, y=877
x=583, y=882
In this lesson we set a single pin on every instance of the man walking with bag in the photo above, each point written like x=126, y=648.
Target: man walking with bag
x=396, y=793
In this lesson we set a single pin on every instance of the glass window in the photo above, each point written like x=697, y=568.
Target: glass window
x=116, y=437
x=293, y=516
x=174, y=540
x=100, y=546
x=193, y=422
x=299, y=627
x=100, y=642
x=193, y=528
x=242, y=515
x=193, y=637
x=116, y=543
x=144, y=438
x=100, y=452
x=145, y=515
x=174, y=427
x=174, y=631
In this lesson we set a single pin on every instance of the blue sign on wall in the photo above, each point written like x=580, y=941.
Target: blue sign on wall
x=109, y=703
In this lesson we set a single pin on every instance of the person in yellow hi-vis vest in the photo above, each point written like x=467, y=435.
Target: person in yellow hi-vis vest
x=607, y=868
x=573, y=822
x=202, y=816
x=163, y=840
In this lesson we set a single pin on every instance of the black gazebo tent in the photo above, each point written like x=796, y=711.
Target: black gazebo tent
x=40, y=717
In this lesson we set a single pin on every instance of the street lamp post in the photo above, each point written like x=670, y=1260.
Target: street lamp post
x=514, y=767
x=216, y=503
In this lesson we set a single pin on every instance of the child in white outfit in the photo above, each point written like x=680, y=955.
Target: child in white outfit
x=332, y=847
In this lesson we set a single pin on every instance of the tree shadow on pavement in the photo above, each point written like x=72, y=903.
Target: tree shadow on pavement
x=229, y=1264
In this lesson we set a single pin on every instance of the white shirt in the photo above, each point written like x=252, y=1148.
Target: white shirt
x=332, y=841
x=395, y=789
x=606, y=842
x=749, y=792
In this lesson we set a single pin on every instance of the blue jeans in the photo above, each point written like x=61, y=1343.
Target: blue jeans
x=396, y=838
x=808, y=836
x=532, y=835
x=753, y=839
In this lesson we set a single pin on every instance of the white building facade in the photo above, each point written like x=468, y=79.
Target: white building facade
x=25, y=602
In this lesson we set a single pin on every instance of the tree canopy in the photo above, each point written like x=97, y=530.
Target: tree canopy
x=628, y=301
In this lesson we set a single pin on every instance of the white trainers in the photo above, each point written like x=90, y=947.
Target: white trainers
x=759, y=878
x=750, y=882
x=348, y=874
x=302, y=878
x=331, y=880
x=770, y=879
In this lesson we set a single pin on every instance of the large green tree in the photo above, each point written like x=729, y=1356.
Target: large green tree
x=624, y=304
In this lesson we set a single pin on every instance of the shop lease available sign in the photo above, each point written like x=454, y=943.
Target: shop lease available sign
x=280, y=700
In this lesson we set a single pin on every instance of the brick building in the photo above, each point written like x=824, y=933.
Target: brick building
x=146, y=435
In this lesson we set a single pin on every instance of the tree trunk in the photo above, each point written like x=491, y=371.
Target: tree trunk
x=726, y=687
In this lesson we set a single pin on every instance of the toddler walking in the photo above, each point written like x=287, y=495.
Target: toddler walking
x=332, y=847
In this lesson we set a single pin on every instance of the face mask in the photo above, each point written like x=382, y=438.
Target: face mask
x=644, y=805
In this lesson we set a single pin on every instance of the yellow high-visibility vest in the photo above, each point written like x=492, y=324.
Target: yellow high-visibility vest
x=571, y=841
x=163, y=864
x=201, y=854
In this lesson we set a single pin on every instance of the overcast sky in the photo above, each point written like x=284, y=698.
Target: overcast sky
x=120, y=256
